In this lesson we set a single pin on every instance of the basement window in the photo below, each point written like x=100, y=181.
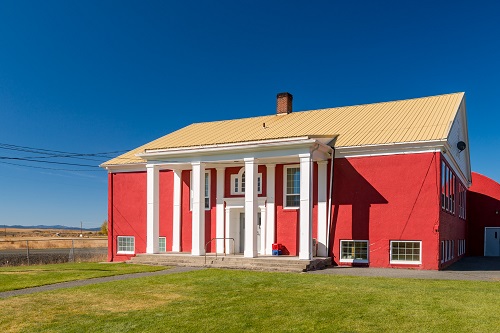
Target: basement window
x=355, y=251
x=162, y=244
x=406, y=252
x=126, y=244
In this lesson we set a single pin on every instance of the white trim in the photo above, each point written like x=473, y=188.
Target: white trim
x=118, y=245
x=405, y=262
x=208, y=177
x=285, y=168
x=356, y=261
x=153, y=209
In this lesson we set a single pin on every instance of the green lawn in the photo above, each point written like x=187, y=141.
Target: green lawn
x=12, y=278
x=238, y=301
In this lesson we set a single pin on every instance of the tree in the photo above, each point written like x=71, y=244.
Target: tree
x=104, y=227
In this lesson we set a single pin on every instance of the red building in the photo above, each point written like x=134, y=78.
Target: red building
x=397, y=197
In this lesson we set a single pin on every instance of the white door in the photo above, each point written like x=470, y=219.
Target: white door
x=491, y=242
x=242, y=232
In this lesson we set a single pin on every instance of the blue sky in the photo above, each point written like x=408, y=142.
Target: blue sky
x=103, y=76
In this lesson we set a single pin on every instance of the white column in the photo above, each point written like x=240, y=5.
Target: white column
x=322, y=211
x=152, y=212
x=230, y=245
x=176, y=219
x=219, y=211
x=250, y=208
x=198, y=212
x=305, y=224
x=263, y=222
x=270, y=185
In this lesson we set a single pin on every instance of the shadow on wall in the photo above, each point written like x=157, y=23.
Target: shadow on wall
x=351, y=188
x=483, y=211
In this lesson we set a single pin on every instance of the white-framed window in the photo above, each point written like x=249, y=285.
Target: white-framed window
x=207, y=191
x=355, y=251
x=462, y=200
x=406, y=252
x=461, y=247
x=126, y=244
x=292, y=186
x=238, y=182
x=162, y=244
x=448, y=188
x=452, y=249
x=442, y=254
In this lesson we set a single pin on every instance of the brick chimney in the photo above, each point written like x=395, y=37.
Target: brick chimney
x=284, y=103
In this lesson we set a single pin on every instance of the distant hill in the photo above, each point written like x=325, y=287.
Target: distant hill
x=62, y=227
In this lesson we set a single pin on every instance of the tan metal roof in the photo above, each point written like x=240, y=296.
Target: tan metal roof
x=411, y=120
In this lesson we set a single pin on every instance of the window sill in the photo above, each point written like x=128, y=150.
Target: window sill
x=405, y=262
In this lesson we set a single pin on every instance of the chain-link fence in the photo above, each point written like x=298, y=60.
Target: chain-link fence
x=52, y=251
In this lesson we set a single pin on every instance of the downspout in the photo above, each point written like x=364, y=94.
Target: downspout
x=330, y=203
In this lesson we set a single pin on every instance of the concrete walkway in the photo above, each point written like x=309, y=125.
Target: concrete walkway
x=87, y=282
x=469, y=268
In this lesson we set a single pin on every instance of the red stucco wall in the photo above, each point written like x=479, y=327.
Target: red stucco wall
x=384, y=198
x=128, y=211
x=483, y=203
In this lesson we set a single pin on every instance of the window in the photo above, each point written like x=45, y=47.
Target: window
x=462, y=199
x=448, y=188
x=354, y=251
x=292, y=186
x=162, y=244
x=126, y=244
x=207, y=191
x=442, y=252
x=406, y=252
x=461, y=247
x=238, y=182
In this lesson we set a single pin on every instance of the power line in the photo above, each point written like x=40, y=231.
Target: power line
x=45, y=168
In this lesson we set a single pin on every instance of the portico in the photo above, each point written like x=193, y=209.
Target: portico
x=246, y=218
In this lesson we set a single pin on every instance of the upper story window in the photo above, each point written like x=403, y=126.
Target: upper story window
x=462, y=201
x=292, y=186
x=448, y=188
x=238, y=182
x=207, y=191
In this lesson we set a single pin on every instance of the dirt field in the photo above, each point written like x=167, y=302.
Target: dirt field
x=12, y=238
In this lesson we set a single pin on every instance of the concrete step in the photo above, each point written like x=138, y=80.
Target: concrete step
x=282, y=264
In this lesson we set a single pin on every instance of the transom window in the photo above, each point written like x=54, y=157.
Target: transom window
x=207, y=191
x=292, y=186
x=126, y=244
x=406, y=252
x=354, y=251
x=238, y=182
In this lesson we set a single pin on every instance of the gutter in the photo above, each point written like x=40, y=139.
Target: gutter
x=330, y=203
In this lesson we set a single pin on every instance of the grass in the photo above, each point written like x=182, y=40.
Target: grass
x=12, y=278
x=238, y=301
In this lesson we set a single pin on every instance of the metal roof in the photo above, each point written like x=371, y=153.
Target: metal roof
x=411, y=120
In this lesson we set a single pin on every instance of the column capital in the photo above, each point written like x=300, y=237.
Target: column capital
x=272, y=165
x=305, y=155
x=249, y=159
x=322, y=162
